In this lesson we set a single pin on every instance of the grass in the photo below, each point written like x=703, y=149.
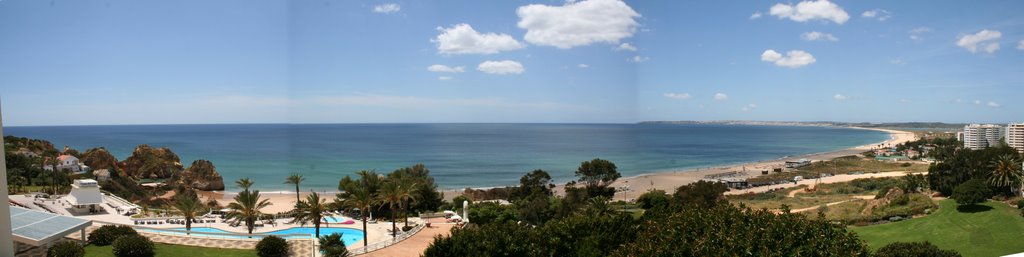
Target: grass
x=992, y=231
x=174, y=250
x=844, y=165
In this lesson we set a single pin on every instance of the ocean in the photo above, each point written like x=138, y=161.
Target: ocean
x=458, y=155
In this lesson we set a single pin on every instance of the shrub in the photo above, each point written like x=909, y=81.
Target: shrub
x=272, y=246
x=652, y=199
x=66, y=249
x=106, y=234
x=971, y=192
x=703, y=194
x=332, y=246
x=902, y=249
x=406, y=228
x=133, y=246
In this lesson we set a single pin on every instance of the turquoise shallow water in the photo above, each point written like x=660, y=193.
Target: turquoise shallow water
x=458, y=155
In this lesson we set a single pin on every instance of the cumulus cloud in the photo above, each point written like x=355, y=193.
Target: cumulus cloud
x=680, y=96
x=625, y=47
x=577, y=23
x=818, y=36
x=839, y=97
x=721, y=97
x=501, y=67
x=463, y=39
x=879, y=14
x=915, y=34
x=443, y=78
x=638, y=59
x=445, y=68
x=810, y=10
x=387, y=8
x=793, y=59
x=755, y=16
x=993, y=104
x=583, y=66
x=985, y=41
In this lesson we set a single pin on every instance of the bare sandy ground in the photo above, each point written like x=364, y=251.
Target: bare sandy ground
x=281, y=201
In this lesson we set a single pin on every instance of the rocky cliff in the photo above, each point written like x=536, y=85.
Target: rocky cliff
x=202, y=175
x=149, y=162
x=99, y=158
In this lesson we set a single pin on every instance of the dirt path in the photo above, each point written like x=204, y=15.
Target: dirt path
x=858, y=197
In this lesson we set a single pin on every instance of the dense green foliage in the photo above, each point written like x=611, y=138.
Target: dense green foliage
x=702, y=194
x=106, y=234
x=653, y=198
x=66, y=249
x=596, y=175
x=914, y=249
x=332, y=246
x=175, y=250
x=272, y=246
x=964, y=165
x=133, y=246
x=971, y=192
x=724, y=230
x=984, y=233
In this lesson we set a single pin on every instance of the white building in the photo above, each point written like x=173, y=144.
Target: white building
x=1015, y=136
x=85, y=195
x=68, y=162
x=978, y=136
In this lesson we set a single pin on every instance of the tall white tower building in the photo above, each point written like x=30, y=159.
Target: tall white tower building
x=980, y=136
x=1015, y=136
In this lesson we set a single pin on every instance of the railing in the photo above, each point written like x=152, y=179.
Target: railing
x=380, y=245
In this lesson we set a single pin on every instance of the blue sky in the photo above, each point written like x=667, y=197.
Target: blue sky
x=164, y=62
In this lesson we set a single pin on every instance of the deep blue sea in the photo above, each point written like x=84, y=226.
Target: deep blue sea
x=458, y=155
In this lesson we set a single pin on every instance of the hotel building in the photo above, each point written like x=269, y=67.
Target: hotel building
x=978, y=136
x=1015, y=136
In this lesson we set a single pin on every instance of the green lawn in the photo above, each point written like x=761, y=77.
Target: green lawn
x=993, y=232
x=174, y=250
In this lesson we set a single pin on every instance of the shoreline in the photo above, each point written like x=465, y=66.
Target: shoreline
x=635, y=185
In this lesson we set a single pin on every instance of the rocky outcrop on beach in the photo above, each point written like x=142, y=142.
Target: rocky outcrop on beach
x=202, y=175
x=150, y=162
x=99, y=158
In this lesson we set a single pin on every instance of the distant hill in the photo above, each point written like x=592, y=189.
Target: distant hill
x=909, y=125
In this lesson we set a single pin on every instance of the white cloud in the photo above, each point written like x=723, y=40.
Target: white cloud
x=977, y=102
x=463, y=39
x=583, y=66
x=818, y=36
x=680, y=96
x=755, y=16
x=638, y=59
x=501, y=67
x=445, y=68
x=625, y=47
x=993, y=104
x=387, y=8
x=744, y=109
x=985, y=40
x=896, y=61
x=577, y=23
x=1020, y=45
x=793, y=59
x=811, y=10
x=958, y=100
x=879, y=14
x=915, y=34
x=444, y=78
x=721, y=97
x=839, y=97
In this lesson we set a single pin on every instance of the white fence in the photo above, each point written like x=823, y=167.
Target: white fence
x=379, y=245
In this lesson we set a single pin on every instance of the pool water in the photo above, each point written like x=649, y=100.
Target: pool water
x=348, y=235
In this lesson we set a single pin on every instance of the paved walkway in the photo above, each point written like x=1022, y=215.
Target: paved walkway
x=415, y=245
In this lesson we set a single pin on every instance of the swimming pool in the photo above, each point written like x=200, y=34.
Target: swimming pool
x=348, y=235
x=336, y=219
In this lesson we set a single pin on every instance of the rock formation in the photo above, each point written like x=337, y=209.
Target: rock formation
x=99, y=158
x=149, y=162
x=202, y=175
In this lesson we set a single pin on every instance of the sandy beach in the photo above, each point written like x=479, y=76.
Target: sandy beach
x=670, y=180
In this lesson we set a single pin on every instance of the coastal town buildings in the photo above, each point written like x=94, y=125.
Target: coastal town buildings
x=981, y=136
x=1015, y=136
x=69, y=163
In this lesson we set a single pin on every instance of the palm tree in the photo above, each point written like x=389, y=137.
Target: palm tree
x=244, y=183
x=296, y=179
x=246, y=207
x=190, y=208
x=311, y=210
x=391, y=194
x=406, y=195
x=359, y=198
x=1005, y=171
x=332, y=246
